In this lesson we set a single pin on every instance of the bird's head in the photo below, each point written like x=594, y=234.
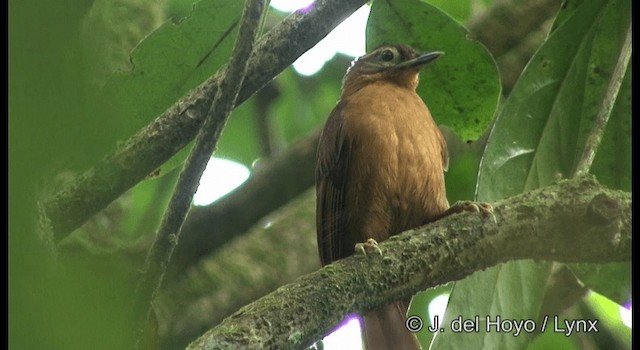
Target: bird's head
x=399, y=64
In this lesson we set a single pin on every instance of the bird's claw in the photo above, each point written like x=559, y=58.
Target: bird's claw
x=485, y=209
x=367, y=247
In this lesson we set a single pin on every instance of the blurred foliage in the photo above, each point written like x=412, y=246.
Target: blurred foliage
x=111, y=29
x=64, y=113
x=54, y=303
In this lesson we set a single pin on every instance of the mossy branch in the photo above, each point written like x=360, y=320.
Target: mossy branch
x=574, y=220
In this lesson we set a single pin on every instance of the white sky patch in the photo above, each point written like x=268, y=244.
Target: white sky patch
x=437, y=307
x=219, y=178
x=347, y=38
x=289, y=5
x=345, y=337
x=625, y=315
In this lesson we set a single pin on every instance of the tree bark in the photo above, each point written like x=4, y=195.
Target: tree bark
x=571, y=221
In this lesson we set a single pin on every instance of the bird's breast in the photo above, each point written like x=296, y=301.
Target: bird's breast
x=396, y=157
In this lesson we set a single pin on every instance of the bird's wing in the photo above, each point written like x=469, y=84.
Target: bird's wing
x=331, y=176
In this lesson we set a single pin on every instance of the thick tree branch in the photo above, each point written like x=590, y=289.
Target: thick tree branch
x=571, y=221
x=170, y=132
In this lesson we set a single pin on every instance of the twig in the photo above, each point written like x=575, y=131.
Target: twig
x=224, y=101
x=574, y=220
x=176, y=127
x=595, y=136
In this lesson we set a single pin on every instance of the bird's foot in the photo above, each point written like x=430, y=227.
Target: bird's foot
x=485, y=209
x=368, y=247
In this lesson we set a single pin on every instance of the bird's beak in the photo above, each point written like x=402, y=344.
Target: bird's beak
x=421, y=60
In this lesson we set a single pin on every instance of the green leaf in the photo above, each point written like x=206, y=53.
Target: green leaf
x=612, y=164
x=611, y=280
x=172, y=60
x=462, y=88
x=538, y=136
x=566, y=10
x=420, y=307
x=239, y=140
x=553, y=340
x=464, y=162
x=460, y=10
x=506, y=292
x=541, y=130
x=610, y=322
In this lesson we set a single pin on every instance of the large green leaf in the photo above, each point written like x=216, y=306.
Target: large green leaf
x=538, y=136
x=52, y=304
x=612, y=164
x=460, y=10
x=420, y=307
x=540, y=133
x=462, y=88
x=611, y=280
x=169, y=62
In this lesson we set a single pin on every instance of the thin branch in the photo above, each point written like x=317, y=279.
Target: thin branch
x=155, y=144
x=224, y=101
x=595, y=136
x=573, y=220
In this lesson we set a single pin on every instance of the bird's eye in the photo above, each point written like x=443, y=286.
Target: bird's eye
x=387, y=55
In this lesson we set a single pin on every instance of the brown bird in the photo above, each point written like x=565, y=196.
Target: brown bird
x=380, y=170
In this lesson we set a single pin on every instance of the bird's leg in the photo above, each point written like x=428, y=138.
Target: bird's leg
x=485, y=209
x=367, y=247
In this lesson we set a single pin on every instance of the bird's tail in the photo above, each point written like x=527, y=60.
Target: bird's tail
x=384, y=329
